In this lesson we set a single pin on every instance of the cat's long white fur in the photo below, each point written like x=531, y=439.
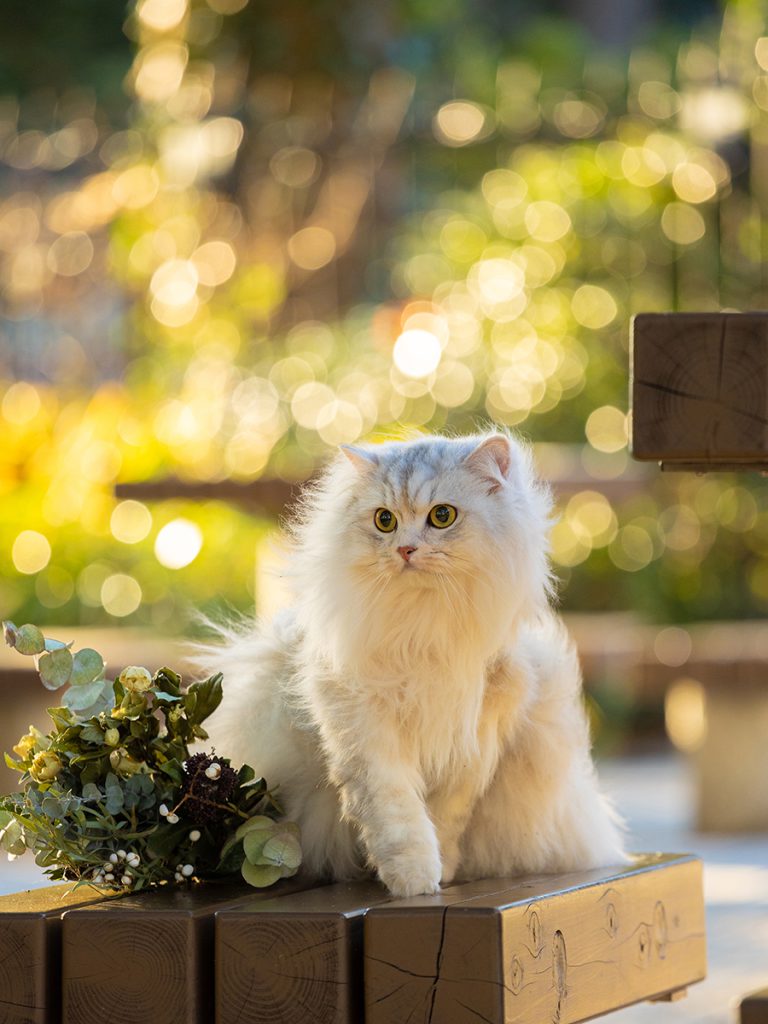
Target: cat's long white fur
x=420, y=718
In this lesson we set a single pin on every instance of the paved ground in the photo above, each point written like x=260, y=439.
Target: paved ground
x=654, y=796
x=653, y=793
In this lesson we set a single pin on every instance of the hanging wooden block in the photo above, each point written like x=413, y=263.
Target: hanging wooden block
x=699, y=390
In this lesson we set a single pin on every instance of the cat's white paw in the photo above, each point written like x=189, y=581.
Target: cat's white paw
x=411, y=875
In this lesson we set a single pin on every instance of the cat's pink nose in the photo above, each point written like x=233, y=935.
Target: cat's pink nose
x=406, y=553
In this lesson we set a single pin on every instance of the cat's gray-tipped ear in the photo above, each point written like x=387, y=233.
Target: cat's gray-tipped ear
x=362, y=460
x=492, y=460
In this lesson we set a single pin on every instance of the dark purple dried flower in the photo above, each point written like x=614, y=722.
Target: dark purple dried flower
x=208, y=781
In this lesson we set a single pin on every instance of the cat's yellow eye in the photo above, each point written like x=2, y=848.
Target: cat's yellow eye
x=385, y=520
x=442, y=516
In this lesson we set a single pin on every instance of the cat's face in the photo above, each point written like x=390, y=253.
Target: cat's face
x=423, y=511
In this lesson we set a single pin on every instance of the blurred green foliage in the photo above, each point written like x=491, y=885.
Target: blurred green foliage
x=305, y=227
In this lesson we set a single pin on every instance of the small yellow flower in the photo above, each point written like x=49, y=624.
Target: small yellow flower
x=112, y=737
x=46, y=766
x=121, y=762
x=136, y=679
x=25, y=746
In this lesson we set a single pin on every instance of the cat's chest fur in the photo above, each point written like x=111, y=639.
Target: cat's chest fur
x=445, y=719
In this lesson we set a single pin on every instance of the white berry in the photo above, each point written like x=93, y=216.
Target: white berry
x=194, y=835
x=163, y=810
x=213, y=771
x=109, y=876
x=122, y=854
x=188, y=870
x=113, y=858
x=126, y=880
x=172, y=819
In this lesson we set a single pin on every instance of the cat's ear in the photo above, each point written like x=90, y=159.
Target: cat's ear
x=492, y=460
x=362, y=460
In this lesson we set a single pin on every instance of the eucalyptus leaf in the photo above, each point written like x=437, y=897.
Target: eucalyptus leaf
x=283, y=850
x=12, y=839
x=55, y=668
x=52, y=808
x=253, y=846
x=91, y=791
x=88, y=665
x=78, y=698
x=162, y=695
x=114, y=801
x=260, y=822
x=29, y=640
x=260, y=875
x=56, y=645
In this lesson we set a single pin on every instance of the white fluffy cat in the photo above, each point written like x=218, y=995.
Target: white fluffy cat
x=419, y=705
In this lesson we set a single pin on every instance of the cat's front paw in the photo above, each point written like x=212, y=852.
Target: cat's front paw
x=411, y=875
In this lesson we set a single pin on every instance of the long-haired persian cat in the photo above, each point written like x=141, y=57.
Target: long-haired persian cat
x=419, y=704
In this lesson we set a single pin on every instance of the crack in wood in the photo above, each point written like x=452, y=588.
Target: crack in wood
x=438, y=964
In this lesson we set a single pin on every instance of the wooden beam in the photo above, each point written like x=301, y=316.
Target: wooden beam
x=699, y=390
x=149, y=955
x=555, y=948
x=268, y=496
x=294, y=959
x=30, y=953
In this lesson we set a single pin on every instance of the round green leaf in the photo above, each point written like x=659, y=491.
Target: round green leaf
x=253, y=846
x=54, y=645
x=12, y=839
x=77, y=698
x=88, y=665
x=260, y=875
x=29, y=640
x=55, y=668
x=283, y=850
x=259, y=822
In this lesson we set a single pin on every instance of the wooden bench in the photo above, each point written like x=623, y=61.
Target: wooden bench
x=556, y=948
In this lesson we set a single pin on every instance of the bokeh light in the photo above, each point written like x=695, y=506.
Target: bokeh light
x=178, y=543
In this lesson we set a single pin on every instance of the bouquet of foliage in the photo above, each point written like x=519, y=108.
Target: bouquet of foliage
x=112, y=796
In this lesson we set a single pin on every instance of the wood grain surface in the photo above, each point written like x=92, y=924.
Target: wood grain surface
x=30, y=953
x=754, y=1008
x=555, y=949
x=699, y=389
x=294, y=960
x=148, y=959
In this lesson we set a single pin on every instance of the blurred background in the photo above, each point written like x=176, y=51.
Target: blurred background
x=236, y=234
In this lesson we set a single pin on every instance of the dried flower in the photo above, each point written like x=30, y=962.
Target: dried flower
x=46, y=766
x=205, y=795
x=136, y=678
x=25, y=746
